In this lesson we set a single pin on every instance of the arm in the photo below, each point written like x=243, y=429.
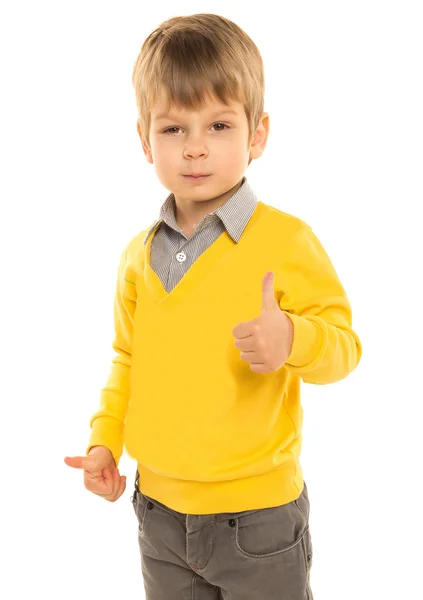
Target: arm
x=108, y=422
x=325, y=348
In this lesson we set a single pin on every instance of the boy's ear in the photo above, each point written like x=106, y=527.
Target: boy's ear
x=144, y=144
x=259, y=140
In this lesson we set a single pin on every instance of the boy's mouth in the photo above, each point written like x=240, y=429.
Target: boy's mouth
x=196, y=177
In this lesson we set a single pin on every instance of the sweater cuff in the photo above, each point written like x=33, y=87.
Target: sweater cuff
x=106, y=431
x=306, y=343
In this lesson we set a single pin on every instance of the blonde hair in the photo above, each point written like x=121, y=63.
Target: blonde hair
x=188, y=58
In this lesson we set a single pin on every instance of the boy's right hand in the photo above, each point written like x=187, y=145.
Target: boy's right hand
x=100, y=473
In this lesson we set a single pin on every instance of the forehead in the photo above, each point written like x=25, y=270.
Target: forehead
x=211, y=107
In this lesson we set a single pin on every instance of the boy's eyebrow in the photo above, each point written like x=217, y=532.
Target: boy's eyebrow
x=164, y=115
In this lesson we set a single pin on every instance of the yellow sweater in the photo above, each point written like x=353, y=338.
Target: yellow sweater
x=210, y=435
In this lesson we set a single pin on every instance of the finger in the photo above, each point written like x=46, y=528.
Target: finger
x=77, y=462
x=247, y=344
x=117, y=493
x=108, y=480
x=268, y=292
x=250, y=356
x=122, y=486
x=103, y=485
x=114, y=480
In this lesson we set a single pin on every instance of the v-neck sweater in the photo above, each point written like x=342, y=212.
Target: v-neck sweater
x=210, y=435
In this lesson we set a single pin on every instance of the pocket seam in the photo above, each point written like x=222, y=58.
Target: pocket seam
x=268, y=555
x=298, y=506
x=141, y=521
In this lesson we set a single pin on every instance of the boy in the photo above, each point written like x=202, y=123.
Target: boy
x=204, y=390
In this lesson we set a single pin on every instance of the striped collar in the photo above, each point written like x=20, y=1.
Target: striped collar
x=234, y=214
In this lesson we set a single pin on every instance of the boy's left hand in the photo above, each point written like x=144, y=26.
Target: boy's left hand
x=267, y=340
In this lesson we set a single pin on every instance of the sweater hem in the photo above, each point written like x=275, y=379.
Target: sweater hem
x=264, y=490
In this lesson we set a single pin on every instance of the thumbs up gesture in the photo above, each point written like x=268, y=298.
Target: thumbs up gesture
x=266, y=341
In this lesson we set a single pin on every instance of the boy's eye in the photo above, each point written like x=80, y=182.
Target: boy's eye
x=171, y=129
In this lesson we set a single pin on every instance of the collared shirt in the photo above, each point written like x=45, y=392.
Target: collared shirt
x=172, y=253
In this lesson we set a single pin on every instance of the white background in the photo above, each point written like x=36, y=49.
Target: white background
x=344, y=95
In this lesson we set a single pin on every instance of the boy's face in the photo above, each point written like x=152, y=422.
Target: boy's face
x=211, y=141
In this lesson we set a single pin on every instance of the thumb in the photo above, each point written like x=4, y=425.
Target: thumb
x=77, y=462
x=268, y=292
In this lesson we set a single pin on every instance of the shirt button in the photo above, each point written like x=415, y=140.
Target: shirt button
x=181, y=257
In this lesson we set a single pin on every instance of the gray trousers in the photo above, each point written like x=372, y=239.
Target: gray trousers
x=263, y=554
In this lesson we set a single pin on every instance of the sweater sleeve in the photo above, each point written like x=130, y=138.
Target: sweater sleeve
x=325, y=348
x=107, y=424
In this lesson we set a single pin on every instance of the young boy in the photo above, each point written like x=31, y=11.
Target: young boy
x=204, y=390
